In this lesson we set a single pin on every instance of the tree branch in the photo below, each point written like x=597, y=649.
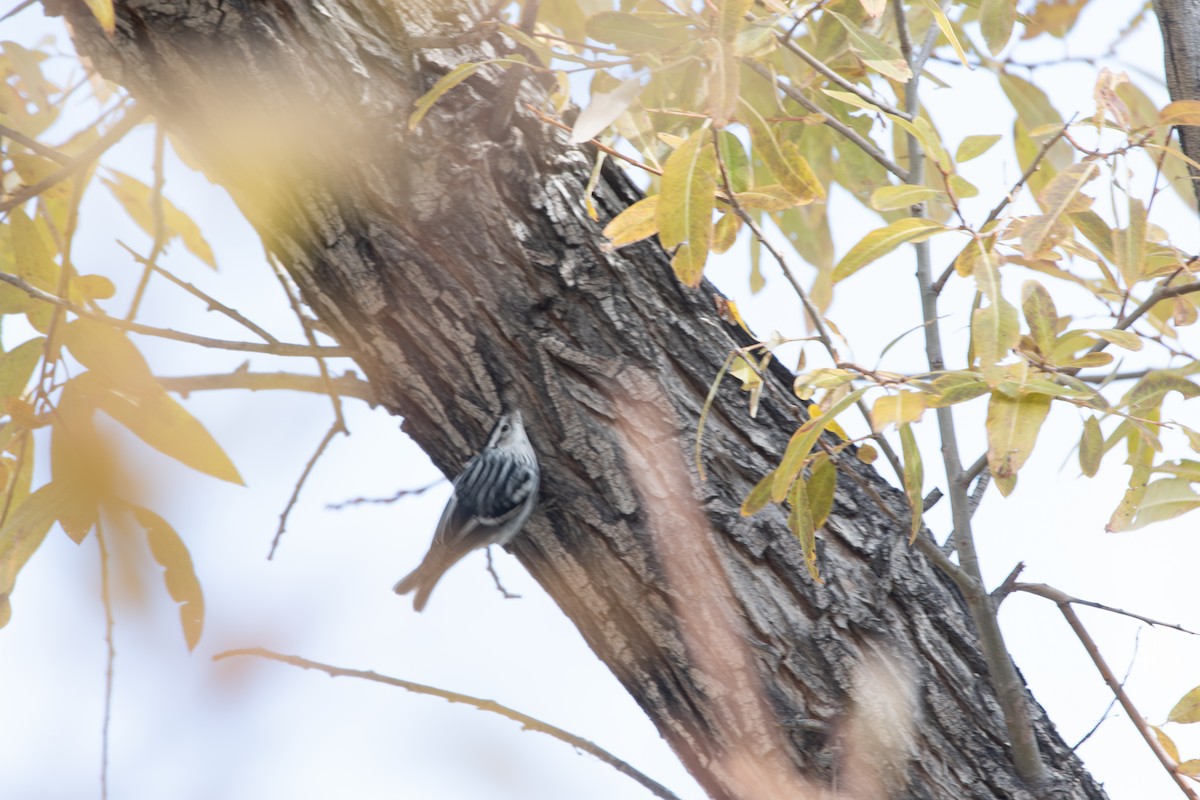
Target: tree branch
x=492, y=707
x=348, y=385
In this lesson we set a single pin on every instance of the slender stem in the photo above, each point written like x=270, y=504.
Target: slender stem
x=106, y=599
x=346, y=385
x=34, y=145
x=160, y=223
x=334, y=430
x=279, y=349
x=526, y=721
x=1010, y=690
x=839, y=81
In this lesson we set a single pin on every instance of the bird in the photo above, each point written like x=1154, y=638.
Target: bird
x=492, y=499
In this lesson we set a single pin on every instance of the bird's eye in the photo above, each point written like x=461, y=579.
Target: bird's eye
x=504, y=428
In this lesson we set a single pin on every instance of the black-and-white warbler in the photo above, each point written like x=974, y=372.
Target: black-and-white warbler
x=493, y=497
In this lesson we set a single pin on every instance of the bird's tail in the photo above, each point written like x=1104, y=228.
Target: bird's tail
x=423, y=579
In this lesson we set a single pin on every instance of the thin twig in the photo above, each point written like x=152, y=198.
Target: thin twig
x=854, y=136
x=496, y=577
x=1118, y=690
x=1008, y=198
x=1137, y=637
x=34, y=145
x=400, y=495
x=526, y=721
x=1008, y=585
x=210, y=301
x=334, y=430
x=549, y=120
x=1060, y=597
x=839, y=81
x=114, y=134
x=160, y=223
x=106, y=598
x=347, y=385
x=279, y=349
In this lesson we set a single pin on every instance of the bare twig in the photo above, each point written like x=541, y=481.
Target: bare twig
x=549, y=120
x=1008, y=585
x=839, y=81
x=278, y=349
x=34, y=145
x=496, y=577
x=400, y=495
x=348, y=385
x=210, y=301
x=1137, y=637
x=160, y=223
x=334, y=430
x=931, y=499
x=114, y=134
x=1118, y=690
x=1060, y=597
x=866, y=146
x=526, y=721
x=106, y=598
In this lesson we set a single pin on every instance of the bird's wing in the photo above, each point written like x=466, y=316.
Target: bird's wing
x=492, y=489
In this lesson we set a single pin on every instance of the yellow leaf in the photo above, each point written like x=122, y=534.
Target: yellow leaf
x=34, y=261
x=21, y=535
x=110, y=353
x=873, y=8
x=685, y=205
x=867, y=454
x=914, y=479
x=1040, y=315
x=890, y=198
x=1165, y=499
x=803, y=440
x=882, y=241
x=996, y=18
x=16, y=366
x=900, y=408
x=1059, y=197
x=784, y=160
x=974, y=146
x=758, y=497
x=103, y=11
x=1180, y=112
x=1012, y=428
x=448, y=81
x=1167, y=743
x=822, y=484
x=180, y=576
x=800, y=523
x=947, y=30
x=772, y=197
x=638, y=221
x=874, y=53
x=726, y=231
x=1091, y=447
x=1187, y=710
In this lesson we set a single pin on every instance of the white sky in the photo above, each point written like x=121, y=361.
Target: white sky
x=185, y=728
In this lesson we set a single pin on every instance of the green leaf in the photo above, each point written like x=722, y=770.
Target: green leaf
x=947, y=30
x=1091, y=447
x=1040, y=315
x=956, y=387
x=725, y=232
x=914, y=479
x=884, y=58
x=768, y=198
x=1096, y=231
x=1012, y=428
x=1187, y=710
x=1165, y=499
x=685, y=205
x=1130, y=243
x=737, y=163
x=803, y=441
x=1151, y=388
x=638, y=221
x=822, y=483
x=448, y=81
x=180, y=576
x=996, y=18
x=633, y=33
x=801, y=524
x=891, y=198
x=882, y=241
x=17, y=365
x=1121, y=338
x=759, y=496
x=974, y=146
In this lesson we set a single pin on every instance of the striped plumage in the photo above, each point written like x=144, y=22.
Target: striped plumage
x=493, y=497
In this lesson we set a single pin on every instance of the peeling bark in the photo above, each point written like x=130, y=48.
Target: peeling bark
x=458, y=264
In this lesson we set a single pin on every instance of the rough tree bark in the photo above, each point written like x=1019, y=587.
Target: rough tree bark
x=1180, y=24
x=458, y=264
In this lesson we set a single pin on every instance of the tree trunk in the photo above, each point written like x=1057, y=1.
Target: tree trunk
x=459, y=265
x=1180, y=24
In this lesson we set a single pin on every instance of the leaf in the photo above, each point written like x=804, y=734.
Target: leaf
x=947, y=30
x=873, y=8
x=882, y=241
x=1165, y=499
x=759, y=496
x=448, y=81
x=33, y=260
x=1129, y=244
x=1040, y=315
x=733, y=156
x=1060, y=196
x=785, y=162
x=801, y=524
x=822, y=483
x=686, y=204
x=899, y=409
x=914, y=479
x=1151, y=388
x=633, y=33
x=1187, y=710
x=16, y=366
x=638, y=221
x=803, y=440
x=723, y=82
x=772, y=197
x=21, y=535
x=1168, y=744
x=102, y=10
x=996, y=18
x=867, y=454
x=956, y=387
x=1091, y=447
x=95, y=287
x=110, y=353
x=891, y=198
x=1012, y=428
x=1180, y=112
x=1121, y=338
x=138, y=201
x=1190, y=768
x=603, y=109
x=180, y=576
x=884, y=58
x=976, y=145
x=161, y=422
x=1096, y=230
x=725, y=232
